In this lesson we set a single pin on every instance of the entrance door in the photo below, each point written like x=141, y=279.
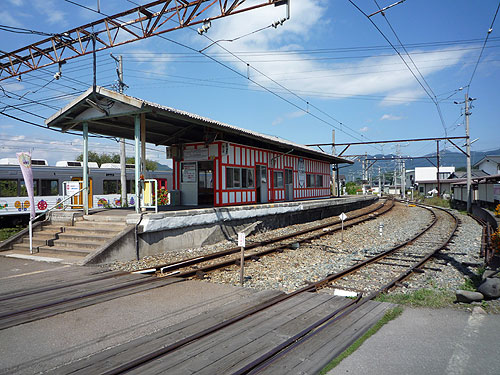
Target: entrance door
x=189, y=183
x=205, y=183
x=288, y=185
x=261, y=184
x=78, y=199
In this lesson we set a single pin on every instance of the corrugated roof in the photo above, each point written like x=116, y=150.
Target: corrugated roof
x=63, y=118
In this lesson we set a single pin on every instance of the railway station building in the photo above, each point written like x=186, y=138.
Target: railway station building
x=214, y=164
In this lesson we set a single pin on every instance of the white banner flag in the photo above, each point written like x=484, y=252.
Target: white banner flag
x=25, y=163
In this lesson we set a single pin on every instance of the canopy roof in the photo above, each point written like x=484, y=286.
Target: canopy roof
x=113, y=114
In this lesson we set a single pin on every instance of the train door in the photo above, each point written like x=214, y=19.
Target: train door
x=78, y=200
x=261, y=184
x=189, y=183
x=288, y=185
x=205, y=183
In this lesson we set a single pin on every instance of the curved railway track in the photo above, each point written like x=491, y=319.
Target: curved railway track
x=416, y=251
x=198, y=266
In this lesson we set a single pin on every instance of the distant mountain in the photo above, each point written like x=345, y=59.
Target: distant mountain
x=446, y=158
x=163, y=167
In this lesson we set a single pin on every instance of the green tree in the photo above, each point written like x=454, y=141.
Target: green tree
x=351, y=188
x=115, y=158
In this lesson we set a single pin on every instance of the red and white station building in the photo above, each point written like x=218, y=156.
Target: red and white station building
x=214, y=164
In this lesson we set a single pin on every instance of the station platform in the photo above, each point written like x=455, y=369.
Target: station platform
x=108, y=235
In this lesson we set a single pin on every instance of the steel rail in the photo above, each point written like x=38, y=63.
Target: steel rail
x=6, y=297
x=82, y=296
x=200, y=259
x=336, y=227
x=281, y=350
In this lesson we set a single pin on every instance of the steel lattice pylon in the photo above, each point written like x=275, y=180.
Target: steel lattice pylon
x=122, y=28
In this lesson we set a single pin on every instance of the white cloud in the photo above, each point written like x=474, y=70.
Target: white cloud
x=17, y=3
x=291, y=115
x=390, y=117
x=51, y=11
x=7, y=19
x=377, y=75
x=364, y=129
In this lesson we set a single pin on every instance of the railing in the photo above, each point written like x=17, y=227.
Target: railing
x=46, y=212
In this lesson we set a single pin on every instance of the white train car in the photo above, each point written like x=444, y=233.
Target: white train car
x=105, y=186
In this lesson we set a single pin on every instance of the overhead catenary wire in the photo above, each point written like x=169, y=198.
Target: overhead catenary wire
x=482, y=49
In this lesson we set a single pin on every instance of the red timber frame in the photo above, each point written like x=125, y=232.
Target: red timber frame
x=241, y=156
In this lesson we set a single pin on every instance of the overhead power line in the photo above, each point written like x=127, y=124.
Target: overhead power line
x=482, y=49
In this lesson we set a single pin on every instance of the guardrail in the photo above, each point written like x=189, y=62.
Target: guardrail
x=46, y=212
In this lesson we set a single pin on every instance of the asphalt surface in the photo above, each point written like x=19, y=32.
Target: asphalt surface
x=39, y=346
x=427, y=341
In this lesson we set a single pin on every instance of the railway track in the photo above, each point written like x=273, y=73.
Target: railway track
x=22, y=306
x=400, y=262
x=199, y=266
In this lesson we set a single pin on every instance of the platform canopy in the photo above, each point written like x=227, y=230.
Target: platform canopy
x=113, y=114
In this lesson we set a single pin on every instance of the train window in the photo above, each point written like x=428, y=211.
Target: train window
x=131, y=186
x=49, y=187
x=8, y=188
x=24, y=192
x=111, y=187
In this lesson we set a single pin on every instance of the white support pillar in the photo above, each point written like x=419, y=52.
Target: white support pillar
x=137, y=139
x=85, y=163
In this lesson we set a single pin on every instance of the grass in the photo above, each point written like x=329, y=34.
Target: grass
x=389, y=315
x=432, y=298
x=7, y=232
x=436, y=201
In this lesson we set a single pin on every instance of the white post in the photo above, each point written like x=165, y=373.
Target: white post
x=137, y=137
x=31, y=236
x=85, y=192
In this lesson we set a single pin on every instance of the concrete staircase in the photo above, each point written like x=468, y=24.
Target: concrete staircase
x=71, y=243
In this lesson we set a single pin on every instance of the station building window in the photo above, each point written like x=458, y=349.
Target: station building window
x=314, y=180
x=49, y=187
x=278, y=179
x=239, y=178
x=8, y=188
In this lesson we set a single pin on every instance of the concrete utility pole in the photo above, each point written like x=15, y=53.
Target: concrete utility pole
x=403, y=179
x=334, y=187
x=123, y=157
x=467, y=140
x=379, y=183
x=437, y=162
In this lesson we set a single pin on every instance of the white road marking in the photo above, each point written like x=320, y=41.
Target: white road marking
x=461, y=354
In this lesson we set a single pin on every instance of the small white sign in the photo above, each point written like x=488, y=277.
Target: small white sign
x=342, y=216
x=72, y=187
x=241, y=239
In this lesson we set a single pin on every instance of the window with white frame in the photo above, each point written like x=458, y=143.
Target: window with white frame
x=239, y=178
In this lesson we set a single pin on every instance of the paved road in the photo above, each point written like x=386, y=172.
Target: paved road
x=426, y=341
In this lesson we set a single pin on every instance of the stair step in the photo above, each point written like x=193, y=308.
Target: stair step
x=51, y=250
x=88, y=245
x=69, y=236
x=89, y=232
x=35, y=241
x=107, y=219
x=86, y=225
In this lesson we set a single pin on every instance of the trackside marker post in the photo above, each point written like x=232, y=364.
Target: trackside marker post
x=342, y=217
x=241, y=244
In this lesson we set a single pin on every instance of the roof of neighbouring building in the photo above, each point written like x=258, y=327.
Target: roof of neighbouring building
x=492, y=158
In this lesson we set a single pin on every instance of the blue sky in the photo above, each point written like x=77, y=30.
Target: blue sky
x=338, y=69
